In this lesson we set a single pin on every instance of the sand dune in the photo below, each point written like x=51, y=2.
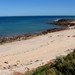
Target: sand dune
x=25, y=55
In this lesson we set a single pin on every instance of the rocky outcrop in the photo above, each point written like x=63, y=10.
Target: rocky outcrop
x=64, y=22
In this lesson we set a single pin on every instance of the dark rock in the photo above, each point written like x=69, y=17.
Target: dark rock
x=6, y=62
x=64, y=22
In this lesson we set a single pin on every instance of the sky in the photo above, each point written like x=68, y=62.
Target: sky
x=36, y=7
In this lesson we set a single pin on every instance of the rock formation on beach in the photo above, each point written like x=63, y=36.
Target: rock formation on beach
x=64, y=22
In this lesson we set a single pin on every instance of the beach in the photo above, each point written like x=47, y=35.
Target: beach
x=37, y=37
x=25, y=55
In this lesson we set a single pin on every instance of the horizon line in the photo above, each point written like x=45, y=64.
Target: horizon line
x=32, y=15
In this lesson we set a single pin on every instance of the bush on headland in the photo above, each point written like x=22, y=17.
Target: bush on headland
x=61, y=66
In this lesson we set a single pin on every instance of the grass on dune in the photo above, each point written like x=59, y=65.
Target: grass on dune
x=63, y=65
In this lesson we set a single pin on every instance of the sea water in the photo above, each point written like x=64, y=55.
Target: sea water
x=18, y=25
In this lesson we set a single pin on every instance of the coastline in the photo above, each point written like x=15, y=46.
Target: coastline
x=28, y=36
x=64, y=23
x=24, y=55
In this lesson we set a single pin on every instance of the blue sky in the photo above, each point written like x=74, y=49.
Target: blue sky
x=36, y=7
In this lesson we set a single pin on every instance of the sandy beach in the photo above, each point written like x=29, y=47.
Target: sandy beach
x=24, y=55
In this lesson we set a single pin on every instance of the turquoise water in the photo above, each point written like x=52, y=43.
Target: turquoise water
x=17, y=25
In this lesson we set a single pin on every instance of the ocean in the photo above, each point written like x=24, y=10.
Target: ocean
x=18, y=25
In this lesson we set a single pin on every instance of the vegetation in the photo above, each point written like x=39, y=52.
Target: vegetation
x=61, y=66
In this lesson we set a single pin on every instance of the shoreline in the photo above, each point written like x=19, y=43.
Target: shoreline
x=64, y=23
x=28, y=36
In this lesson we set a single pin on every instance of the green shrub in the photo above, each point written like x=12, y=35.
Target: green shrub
x=61, y=66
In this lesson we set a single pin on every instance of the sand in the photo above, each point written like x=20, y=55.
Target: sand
x=24, y=55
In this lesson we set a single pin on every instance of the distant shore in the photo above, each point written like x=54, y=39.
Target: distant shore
x=64, y=22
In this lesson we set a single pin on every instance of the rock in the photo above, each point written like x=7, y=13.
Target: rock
x=64, y=22
x=6, y=62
